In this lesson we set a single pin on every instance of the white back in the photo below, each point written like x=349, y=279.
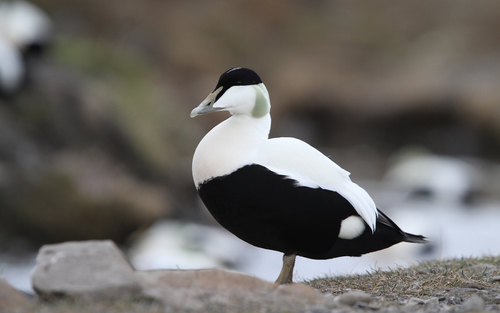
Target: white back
x=242, y=140
x=300, y=161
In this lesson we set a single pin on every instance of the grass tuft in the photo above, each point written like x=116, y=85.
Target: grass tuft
x=425, y=280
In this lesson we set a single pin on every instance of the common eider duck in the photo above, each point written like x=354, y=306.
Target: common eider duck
x=281, y=193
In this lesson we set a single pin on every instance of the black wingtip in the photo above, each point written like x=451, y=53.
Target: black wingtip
x=414, y=238
x=405, y=237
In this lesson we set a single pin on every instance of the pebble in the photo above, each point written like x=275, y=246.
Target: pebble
x=473, y=304
x=414, y=302
x=454, y=300
x=352, y=297
x=366, y=306
x=496, y=300
x=434, y=300
x=495, y=278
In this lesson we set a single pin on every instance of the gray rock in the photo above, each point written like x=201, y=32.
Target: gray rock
x=197, y=290
x=415, y=301
x=366, y=306
x=455, y=300
x=432, y=301
x=90, y=270
x=318, y=309
x=495, y=278
x=496, y=300
x=473, y=304
x=352, y=297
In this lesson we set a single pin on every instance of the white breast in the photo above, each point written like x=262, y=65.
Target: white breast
x=242, y=140
x=229, y=146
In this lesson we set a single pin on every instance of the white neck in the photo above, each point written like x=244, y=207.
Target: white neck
x=229, y=146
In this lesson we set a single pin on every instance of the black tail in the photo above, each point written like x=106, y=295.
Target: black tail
x=386, y=234
x=405, y=237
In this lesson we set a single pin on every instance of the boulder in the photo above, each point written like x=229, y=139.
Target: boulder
x=97, y=270
x=197, y=290
x=474, y=304
x=11, y=299
x=89, y=271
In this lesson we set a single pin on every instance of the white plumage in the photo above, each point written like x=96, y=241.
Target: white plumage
x=243, y=139
x=11, y=67
x=23, y=23
x=23, y=28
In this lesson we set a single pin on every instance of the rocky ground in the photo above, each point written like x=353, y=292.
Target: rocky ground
x=93, y=276
x=458, y=285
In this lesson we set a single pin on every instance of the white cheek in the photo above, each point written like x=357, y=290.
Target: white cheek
x=237, y=99
x=351, y=227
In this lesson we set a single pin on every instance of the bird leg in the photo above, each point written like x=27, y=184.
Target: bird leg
x=286, y=275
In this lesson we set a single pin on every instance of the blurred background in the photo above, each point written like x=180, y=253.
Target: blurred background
x=96, y=140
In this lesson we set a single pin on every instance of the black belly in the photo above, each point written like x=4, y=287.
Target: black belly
x=270, y=211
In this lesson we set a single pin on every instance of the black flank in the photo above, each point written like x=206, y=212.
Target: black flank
x=270, y=211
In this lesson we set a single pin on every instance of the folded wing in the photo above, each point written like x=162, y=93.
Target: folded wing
x=309, y=167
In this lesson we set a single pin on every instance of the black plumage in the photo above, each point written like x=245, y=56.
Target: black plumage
x=271, y=211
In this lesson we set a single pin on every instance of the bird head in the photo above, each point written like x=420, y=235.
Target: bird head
x=239, y=91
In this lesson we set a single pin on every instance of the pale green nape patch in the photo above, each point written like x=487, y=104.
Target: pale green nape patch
x=262, y=106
